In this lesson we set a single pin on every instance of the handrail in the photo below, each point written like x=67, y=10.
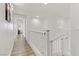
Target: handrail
x=41, y=37
x=58, y=37
x=38, y=32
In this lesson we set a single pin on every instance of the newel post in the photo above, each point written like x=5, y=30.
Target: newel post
x=48, y=43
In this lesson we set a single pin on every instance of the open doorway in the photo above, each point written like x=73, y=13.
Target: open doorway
x=20, y=24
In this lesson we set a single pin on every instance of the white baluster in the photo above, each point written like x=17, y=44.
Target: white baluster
x=51, y=47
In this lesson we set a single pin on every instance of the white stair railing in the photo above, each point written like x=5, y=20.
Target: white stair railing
x=38, y=39
x=51, y=43
x=60, y=44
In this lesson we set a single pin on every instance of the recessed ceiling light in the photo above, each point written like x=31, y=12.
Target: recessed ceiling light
x=36, y=21
x=37, y=16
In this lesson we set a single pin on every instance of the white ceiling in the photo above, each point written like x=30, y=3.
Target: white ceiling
x=51, y=10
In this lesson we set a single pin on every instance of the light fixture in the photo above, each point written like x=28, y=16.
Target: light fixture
x=37, y=16
x=36, y=21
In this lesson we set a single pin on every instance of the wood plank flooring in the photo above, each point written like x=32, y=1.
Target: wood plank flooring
x=21, y=47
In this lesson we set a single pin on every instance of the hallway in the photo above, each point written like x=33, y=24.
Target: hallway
x=21, y=48
x=46, y=30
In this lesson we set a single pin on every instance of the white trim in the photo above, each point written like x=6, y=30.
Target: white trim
x=36, y=51
x=11, y=49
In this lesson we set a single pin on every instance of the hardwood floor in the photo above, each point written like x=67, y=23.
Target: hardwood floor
x=21, y=48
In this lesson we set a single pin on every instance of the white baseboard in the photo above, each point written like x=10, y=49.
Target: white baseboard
x=11, y=48
x=36, y=51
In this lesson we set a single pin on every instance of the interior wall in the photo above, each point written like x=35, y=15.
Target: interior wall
x=1, y=11
x=49, y=16
x=75, y=29
x=6, y=33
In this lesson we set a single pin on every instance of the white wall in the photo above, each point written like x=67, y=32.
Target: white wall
x=6, y=33
x=2, y=11
x=75, y=29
